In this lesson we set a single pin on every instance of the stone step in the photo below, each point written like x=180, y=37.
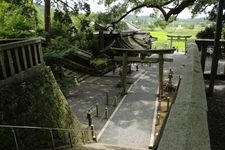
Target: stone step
x=101, y=146
x=71, y=74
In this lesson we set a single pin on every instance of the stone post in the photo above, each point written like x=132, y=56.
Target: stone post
x=89, y=117
x=107, y=98
x=167, y=103
x=106, y=113
x=115, y=101
x=97, y=110
x=93, y=132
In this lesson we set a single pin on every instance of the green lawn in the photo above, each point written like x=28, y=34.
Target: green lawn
x=163, y=41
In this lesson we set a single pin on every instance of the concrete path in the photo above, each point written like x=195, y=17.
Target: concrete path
x=131, y=125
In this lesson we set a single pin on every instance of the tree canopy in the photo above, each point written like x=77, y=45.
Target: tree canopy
x=168, y=8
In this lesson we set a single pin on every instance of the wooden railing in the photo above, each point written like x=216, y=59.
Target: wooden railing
x=4, y=41
x=19, y=56
x=202, y=47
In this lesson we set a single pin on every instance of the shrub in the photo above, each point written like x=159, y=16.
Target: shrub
x=100, y=62
x=58, y=48
x=207, y=33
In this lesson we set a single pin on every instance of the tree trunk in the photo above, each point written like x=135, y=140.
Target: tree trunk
x=47, y=20
x=216, y=48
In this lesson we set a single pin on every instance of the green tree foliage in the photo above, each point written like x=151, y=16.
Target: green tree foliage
x=168, y=8
x=161, y=23
x=200, y=6
x=13, y=23
x=207, y=33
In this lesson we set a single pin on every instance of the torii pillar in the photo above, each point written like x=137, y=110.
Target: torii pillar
x=161, y=63
x=124, y=74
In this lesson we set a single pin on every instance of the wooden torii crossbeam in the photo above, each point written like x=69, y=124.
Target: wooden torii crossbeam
x=125, y=59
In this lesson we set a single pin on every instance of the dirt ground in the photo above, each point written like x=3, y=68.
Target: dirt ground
x=216, y=116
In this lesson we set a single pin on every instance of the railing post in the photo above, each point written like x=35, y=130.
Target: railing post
x=30, y=56
x=35, y=54
x=24, y=58
x=40, y=53
x=71, y=143
x=2, y=63
x=15, y=139
x=52, y=139
x=11, y=66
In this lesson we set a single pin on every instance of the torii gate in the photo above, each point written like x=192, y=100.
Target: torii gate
x=179, y=38
x=125, y=59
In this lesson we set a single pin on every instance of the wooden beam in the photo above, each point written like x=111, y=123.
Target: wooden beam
x=145, y=60
x=19, y=43
x=179, y=36
x=209, y=41
x=143, y=51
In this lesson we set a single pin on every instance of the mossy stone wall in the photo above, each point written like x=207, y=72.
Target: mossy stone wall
x=33, y=98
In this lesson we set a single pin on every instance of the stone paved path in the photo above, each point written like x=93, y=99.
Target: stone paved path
x=92, y=90
x=132, y=123
x=135, y=116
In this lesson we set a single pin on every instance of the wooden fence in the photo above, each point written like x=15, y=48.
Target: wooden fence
x=18, y=56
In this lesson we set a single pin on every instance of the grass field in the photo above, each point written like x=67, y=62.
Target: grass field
x=163, y=41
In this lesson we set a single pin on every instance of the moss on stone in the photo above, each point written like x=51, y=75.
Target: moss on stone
x=36, y=100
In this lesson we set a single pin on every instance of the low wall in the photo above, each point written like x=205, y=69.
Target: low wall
x=187, y=126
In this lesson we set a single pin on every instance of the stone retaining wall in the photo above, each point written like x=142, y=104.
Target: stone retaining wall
x=187, y=126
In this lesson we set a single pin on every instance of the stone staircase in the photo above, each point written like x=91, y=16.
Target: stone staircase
x=72, y=74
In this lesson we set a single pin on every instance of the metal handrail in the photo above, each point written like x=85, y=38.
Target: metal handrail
x=33, y=127
x=39, y=128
